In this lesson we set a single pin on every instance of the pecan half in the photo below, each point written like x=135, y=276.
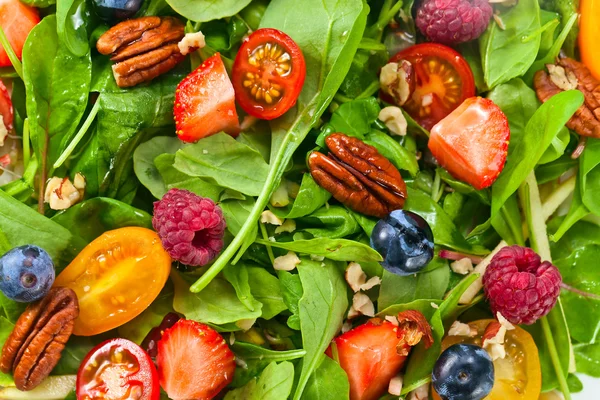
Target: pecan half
x=358, y=176
x=33, y=348
x=412, y=328
x=143, y=48
x=568, y=73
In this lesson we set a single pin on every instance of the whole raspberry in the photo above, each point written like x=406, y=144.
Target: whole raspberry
x=190, y=227
x=453, y=21
x=521, y=287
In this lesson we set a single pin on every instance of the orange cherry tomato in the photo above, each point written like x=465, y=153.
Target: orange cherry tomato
x=518, y=376
x=589, y=32
x=116, y=277
x=117, y=369
x=268, y=73
x=443, y=81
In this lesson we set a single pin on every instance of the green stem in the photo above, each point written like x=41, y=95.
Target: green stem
x=82, y=131
x=340, y=98
x=539, y=31
x=12, y=56
x=265, y=235
x=371, y=45
x=26, y=148
x=562, y=381
x=370, y=90
x=384, y=19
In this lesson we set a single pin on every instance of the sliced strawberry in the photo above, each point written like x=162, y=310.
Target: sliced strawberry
x=6, y=107
x=17, y=20
x=205, y=102
x=374, y=352
x=472, y=142
x=194, y=362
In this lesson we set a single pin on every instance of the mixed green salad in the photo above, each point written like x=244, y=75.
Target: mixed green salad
x=334, y=199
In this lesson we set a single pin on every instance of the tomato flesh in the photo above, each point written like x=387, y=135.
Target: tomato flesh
x=17, y=20
x=268, y=73
x=6, y=107
x=116, y=277
x=443, y=81
x=117, y=369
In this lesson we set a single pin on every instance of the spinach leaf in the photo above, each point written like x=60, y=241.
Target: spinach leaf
x=310, y=198
x=333, y=249
x=260, y=140
x=577, y=211
x=101, y=214
x=55, y=100
x=589, y=176
x=21, y=225
x=10, y=309
x=587, y=358
x=6, y=327
x=291, y=291
x=553, y=170
x=253, y=359
x=355, y=117
x=585, y=233
x=336, y=28
x=229, y=163
x=217, y=304
x=322, y=308
x=173, y=178
x=470, y=52
x=75, y=22
x=509, y=52
x=207, y=10
x=328, y=382
x=566, y=9
x=40, y=3
x=266, y=289
x=393, y=151
x=237, y=275
x=363, y=71
x=539, y=132
x=143, y=162
x=274, y=383
x=236, y=213
x=397, y=289
x=424, y=306
x=331, y=222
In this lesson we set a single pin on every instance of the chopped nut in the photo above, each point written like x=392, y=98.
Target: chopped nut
x=434, y=305
x=245, y=324
x=191, y=42
x=398, y=81
x=79, y=183
x=420, y=393
x=361, y=305
x=395, y=386
x=504, y=322
x=315, y=257
x=493, y=340
x=462, y=266
x=3, y=131
x=61, y=193
x=280, y=198
x=289, y=226
x=357, y=279
x=393, y=118
x=231, y=338
x=564, y=79
x=347, y=325
x=499, y=21
x=267, y=217
x=287, y=262
x=460, y=329
x=392, y=319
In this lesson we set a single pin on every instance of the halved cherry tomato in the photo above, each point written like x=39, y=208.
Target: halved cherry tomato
x=116, y=277
x=117, y=369
x=443, y=81
x=589, y=32
x=6, y=107
x=268, y=73
x=17, y=20
x=518, y=376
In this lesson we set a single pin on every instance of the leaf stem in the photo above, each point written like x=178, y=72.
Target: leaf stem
x=26, y=147
x=579, y=292
x=384, y=19
x=265, y=235
x=75, y=141
x=12, y=56
x=370, y=90
x=43, y=174
x=562, y=381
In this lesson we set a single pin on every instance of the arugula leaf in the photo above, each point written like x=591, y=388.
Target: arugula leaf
x=337, y=27
x=222, y=159
x=207, y=10
x=322, y=308
x=328, y=382
x=509, y=52
x=397, y=289
x=333, y=249
x=274, y=383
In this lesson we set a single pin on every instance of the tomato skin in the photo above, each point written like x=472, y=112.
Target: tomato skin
x=427, y=83
x=17, y=20
x=589, y=32
x=146, y=376
x=290, y=82
x=6, y=107
x=116, y=277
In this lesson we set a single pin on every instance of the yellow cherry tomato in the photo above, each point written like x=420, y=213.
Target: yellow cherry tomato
x=589, y=33
x=518, y=376
x=116, y=277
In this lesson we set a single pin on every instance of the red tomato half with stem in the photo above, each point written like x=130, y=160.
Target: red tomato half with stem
x=268, y=73
x=443, y=81
x=117, y=369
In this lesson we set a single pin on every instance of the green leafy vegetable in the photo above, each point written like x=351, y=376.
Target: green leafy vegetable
x=291, y=290
x=310, y=198
x=393, y=151
x=331, y=222
x=274, y=383
x=333, y=249
x=397, y=289
x=74, y=23
x=143, y=162
x=355, y=117
x=206, y=10
x=328, y=382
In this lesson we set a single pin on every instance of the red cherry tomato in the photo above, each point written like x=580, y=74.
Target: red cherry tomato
x=6, y=107
x=17, y=20
x=117, y=369
x=443, y=81
x=268, y=73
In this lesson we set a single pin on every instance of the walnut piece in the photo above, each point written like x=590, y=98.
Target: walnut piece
x=361, y=305
x=191, y=42
x=34, y=346
x=61, y=193
x=267, y=217
x=143, y=48
x=357, y=279
x=287, y=262
x=459, y=329
x=393, y=118
x=397, y=80
x=568, y=73
x=462, y=266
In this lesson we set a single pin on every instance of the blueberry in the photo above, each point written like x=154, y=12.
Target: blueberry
x=463, y=372
x=26, y=273
x=117, y=10
x=405, y=241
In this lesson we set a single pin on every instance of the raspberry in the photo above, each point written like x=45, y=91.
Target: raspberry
x=521, y=287
x=190, y=227
x=453, y=21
